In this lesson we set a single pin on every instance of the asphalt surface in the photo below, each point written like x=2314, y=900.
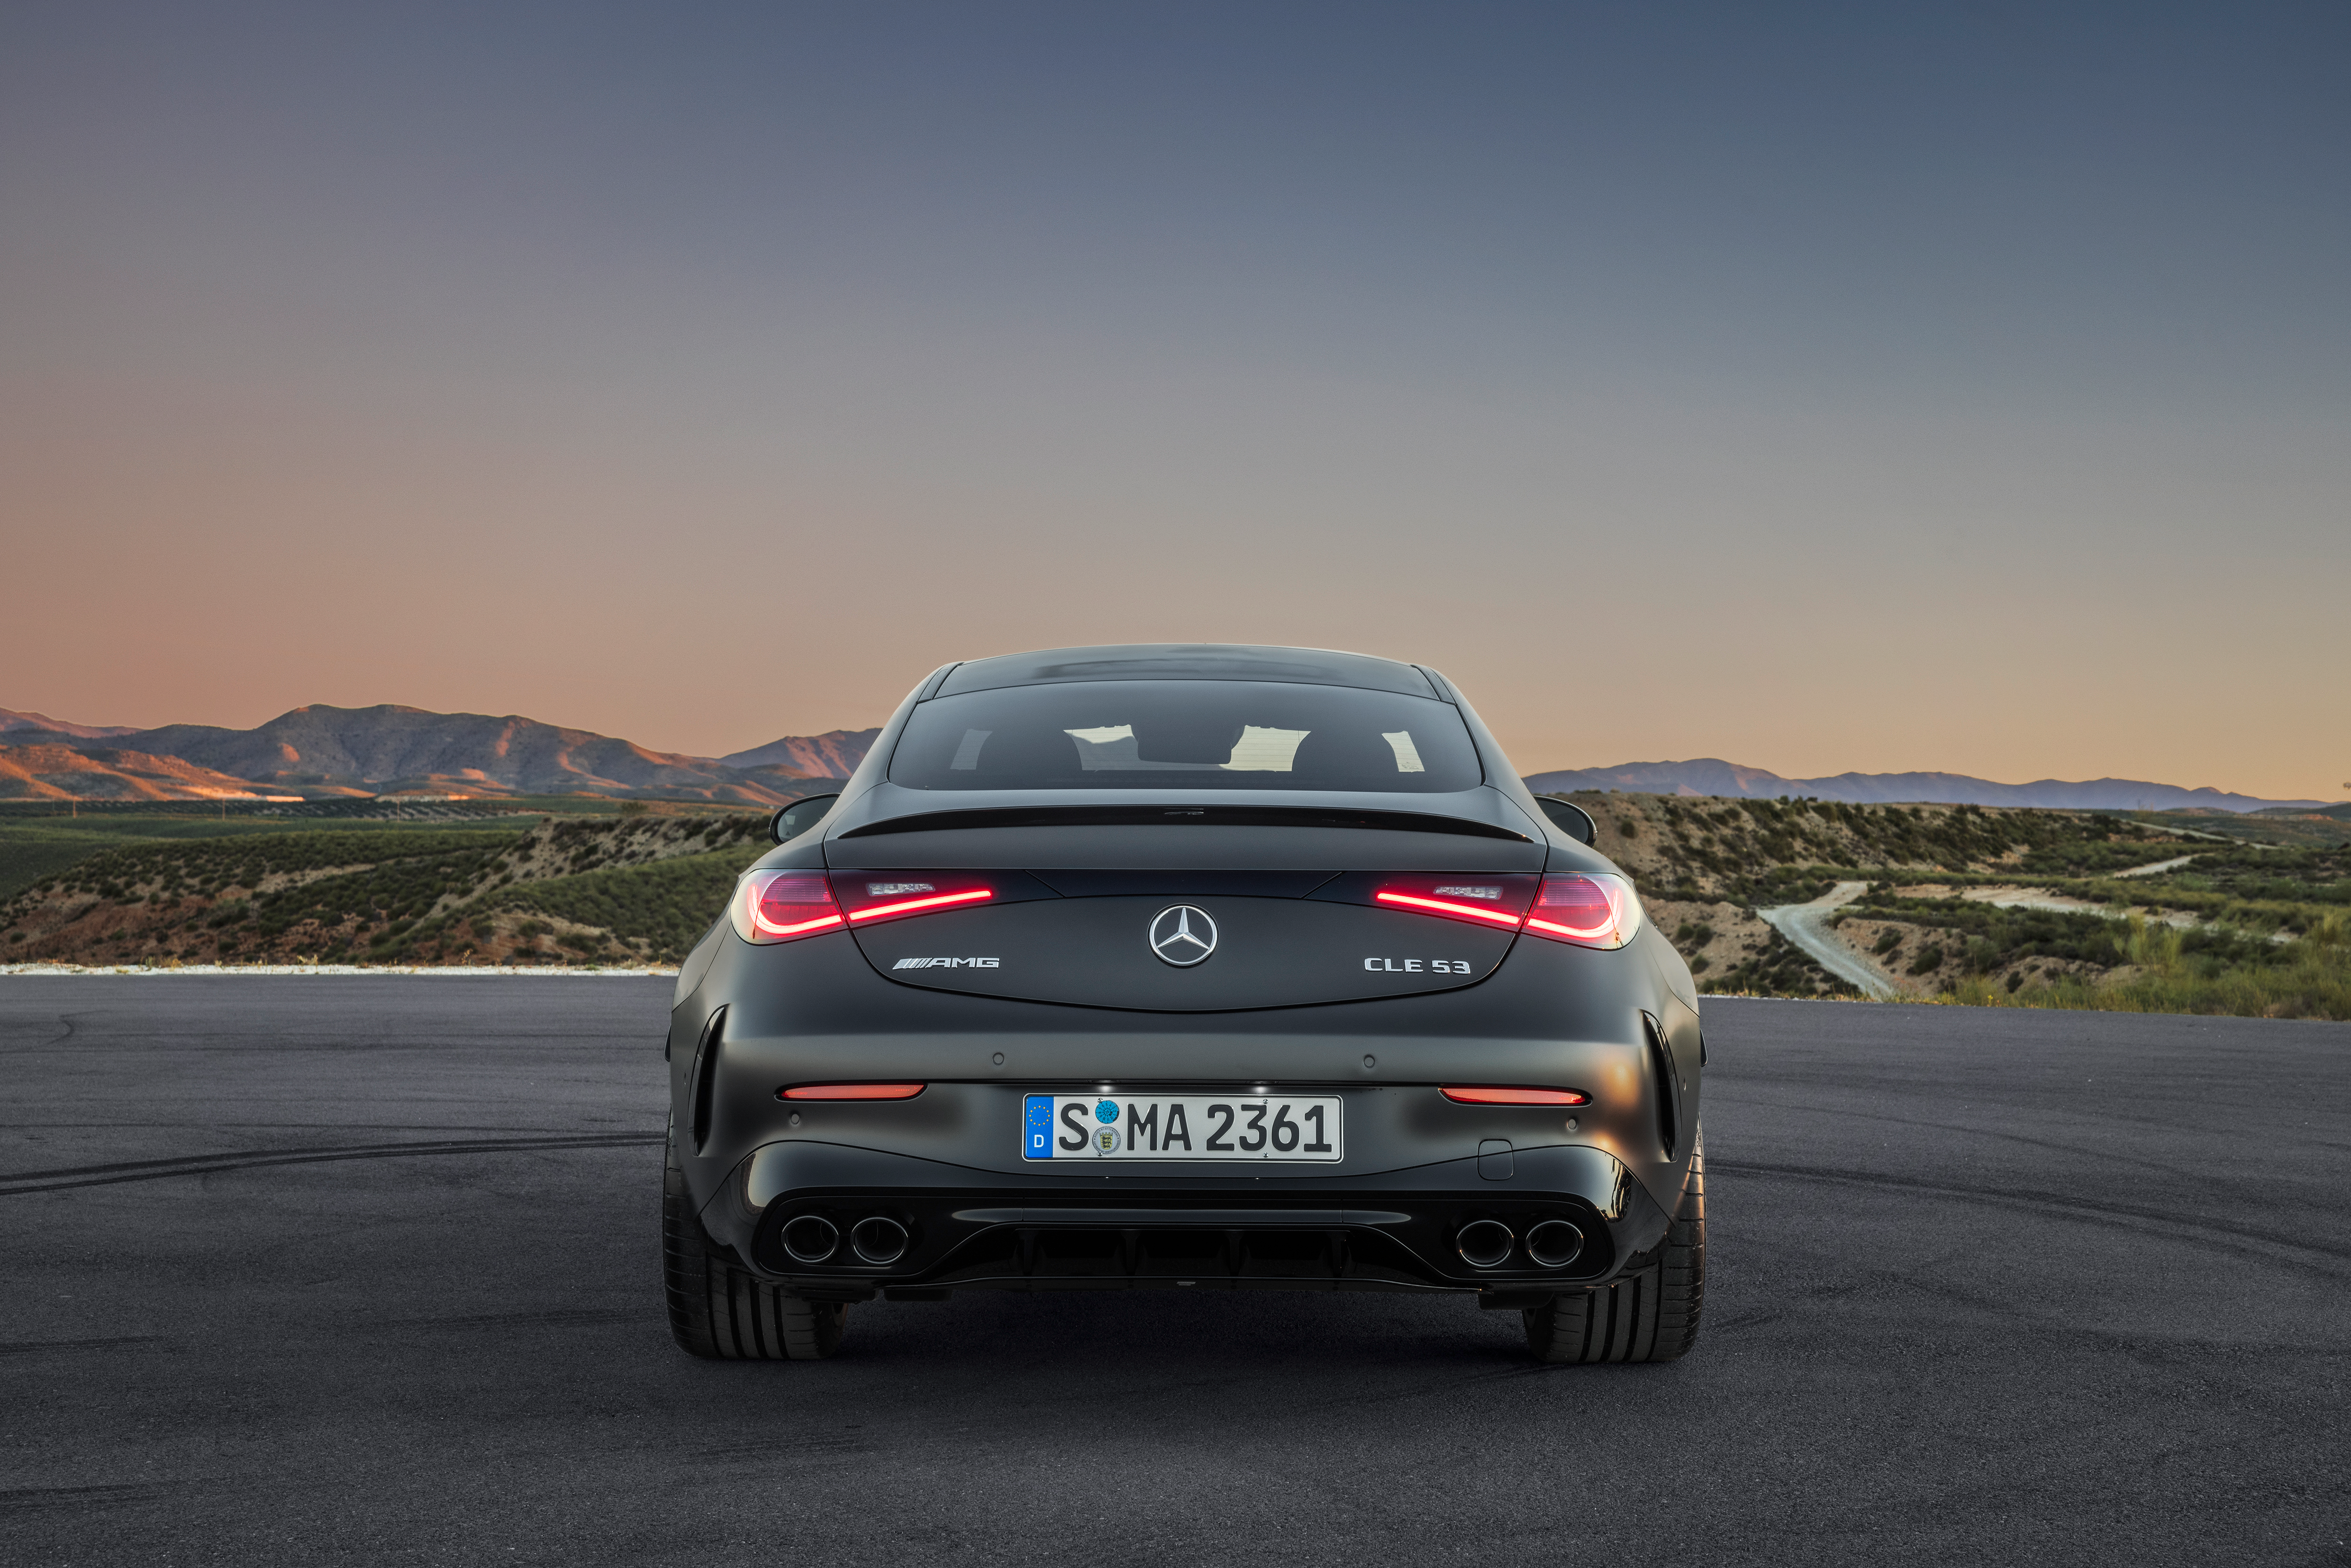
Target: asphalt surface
x=370, y=1275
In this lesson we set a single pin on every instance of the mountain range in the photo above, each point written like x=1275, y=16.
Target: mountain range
x=328, y=752
x=1712, y=775
x=10, y=719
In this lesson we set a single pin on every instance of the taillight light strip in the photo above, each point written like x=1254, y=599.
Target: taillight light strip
x=768, y=927
x=1573, y=933
x=1610, y=896
x=907, y=905
x=1498, y=916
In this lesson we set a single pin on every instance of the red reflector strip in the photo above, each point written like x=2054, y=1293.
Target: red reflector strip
x=1517, y=1096
x=1442, y=907
x=913, y=903
x=851, y=1091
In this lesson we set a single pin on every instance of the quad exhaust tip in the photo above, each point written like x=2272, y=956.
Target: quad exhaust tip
x=1554, y=1244
x=1485, y=1243
x=812, y=1238
x=878, y=1240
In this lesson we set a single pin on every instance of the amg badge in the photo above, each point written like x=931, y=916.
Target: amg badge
x=945, y=964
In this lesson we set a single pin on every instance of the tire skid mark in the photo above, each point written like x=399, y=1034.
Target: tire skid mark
x=2158, y=1166
x=16, y=1500
x=2184, y=1353
x=561, y=1317
x=208, y=1165
x=2127, y=1216
x=28, y=1045
x=813, y=1445
x=37, y=1346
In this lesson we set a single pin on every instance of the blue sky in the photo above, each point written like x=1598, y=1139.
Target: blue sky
x=1820, y=387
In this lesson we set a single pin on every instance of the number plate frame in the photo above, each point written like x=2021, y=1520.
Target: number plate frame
x=1181, y=1127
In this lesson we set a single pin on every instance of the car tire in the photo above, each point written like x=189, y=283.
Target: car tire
x=722, y=1312
x=1650, y=1315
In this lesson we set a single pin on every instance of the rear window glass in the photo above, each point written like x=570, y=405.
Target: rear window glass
x=1186, y=735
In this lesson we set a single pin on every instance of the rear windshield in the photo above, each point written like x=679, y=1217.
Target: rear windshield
x=1186, y=735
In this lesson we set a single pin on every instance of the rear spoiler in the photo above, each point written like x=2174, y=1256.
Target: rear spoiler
x=1148, y=816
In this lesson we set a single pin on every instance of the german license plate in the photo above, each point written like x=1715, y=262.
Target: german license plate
x=1180, y=1127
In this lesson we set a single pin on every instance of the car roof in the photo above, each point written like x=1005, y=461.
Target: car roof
x=1187, y=662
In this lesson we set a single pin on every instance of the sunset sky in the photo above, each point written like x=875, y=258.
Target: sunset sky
x=1879, y=387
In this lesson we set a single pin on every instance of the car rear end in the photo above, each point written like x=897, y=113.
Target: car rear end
x=1185, y=972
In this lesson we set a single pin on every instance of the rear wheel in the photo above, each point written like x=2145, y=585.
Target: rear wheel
x=1651, y=1315
x=721, y=1312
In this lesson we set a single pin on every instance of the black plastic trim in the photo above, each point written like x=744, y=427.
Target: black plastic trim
x=1661, y=1067
x=705, y=1076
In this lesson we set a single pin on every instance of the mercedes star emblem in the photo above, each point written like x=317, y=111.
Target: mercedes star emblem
x=1183, y=935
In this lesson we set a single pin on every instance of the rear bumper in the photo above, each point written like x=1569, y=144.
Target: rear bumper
x=1392, y=1230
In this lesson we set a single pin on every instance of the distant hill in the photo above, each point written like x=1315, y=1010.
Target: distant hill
x=10, y=719
x=324, y=751
x=835, y=754
x=1712, y=775
x=390, y=747
x=328, y=751
x=90, y=772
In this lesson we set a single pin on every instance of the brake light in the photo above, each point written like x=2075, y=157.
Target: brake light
x=1482, y=1096
x=1483, y=898
x=877, y=897
x=914, y=906
x=1444, y=906
x=783, y=907
x=1591, y=909
x=851, y=1091
x=1588, y=909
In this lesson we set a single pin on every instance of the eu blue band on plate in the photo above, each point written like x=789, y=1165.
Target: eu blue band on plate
x=1036, y=1127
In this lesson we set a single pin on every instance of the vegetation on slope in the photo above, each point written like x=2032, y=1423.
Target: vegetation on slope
x=2029, y=907
x=2166, y=970
x=2015, y=907
x=596, y=887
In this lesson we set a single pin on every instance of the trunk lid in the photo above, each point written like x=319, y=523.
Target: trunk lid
x=1207, y=911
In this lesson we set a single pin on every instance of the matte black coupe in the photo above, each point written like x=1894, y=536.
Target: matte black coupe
x=1185, y=968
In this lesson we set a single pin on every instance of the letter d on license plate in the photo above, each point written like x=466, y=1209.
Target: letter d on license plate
x=1181, y=1127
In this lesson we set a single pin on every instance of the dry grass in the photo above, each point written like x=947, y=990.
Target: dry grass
x=2308, y=977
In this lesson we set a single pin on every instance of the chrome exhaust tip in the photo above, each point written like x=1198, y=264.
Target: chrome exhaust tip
x=1554, y=1244
x=812, y=1238
x=877, y=1238
x=1485, y=1243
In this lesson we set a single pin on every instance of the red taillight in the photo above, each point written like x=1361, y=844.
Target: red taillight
x=851, y=1091
x=1447, y=907
x=915, y=905
x=1593, y=910
x=783, y=907
x=1486, y=898
x=1516, y=1096
x=871, y=897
